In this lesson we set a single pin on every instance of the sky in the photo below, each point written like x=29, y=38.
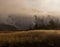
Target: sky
x=29, y=6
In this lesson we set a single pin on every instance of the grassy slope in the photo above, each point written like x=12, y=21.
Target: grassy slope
x=35, y=38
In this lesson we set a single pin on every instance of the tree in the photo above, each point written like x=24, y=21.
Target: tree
x=36, y=25
x=51, y=24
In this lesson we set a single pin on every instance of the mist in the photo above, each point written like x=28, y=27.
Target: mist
x=28, y=6
x=21, y=13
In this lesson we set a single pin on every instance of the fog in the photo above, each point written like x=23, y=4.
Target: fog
x=20, y=21
x=28, y=6
x=22, y=11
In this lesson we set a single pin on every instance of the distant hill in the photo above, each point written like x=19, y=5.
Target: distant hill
x=6, y=27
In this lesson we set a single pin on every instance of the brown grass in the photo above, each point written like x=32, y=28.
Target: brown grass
x=32, y=38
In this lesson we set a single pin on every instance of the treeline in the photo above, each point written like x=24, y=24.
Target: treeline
x=17, y=22
x=48, y=22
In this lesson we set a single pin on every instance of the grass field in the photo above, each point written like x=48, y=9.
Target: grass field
x=32, y=38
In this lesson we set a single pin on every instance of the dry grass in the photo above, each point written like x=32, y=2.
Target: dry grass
x=33, y=38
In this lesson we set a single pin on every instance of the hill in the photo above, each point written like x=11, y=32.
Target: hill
x=6, y=27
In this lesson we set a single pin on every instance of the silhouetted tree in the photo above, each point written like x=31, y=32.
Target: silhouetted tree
x=36, y=25
x=51, y=24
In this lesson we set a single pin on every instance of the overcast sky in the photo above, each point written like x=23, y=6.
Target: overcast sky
x=26, y=6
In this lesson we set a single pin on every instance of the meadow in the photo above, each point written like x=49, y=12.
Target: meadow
x=32, y=38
